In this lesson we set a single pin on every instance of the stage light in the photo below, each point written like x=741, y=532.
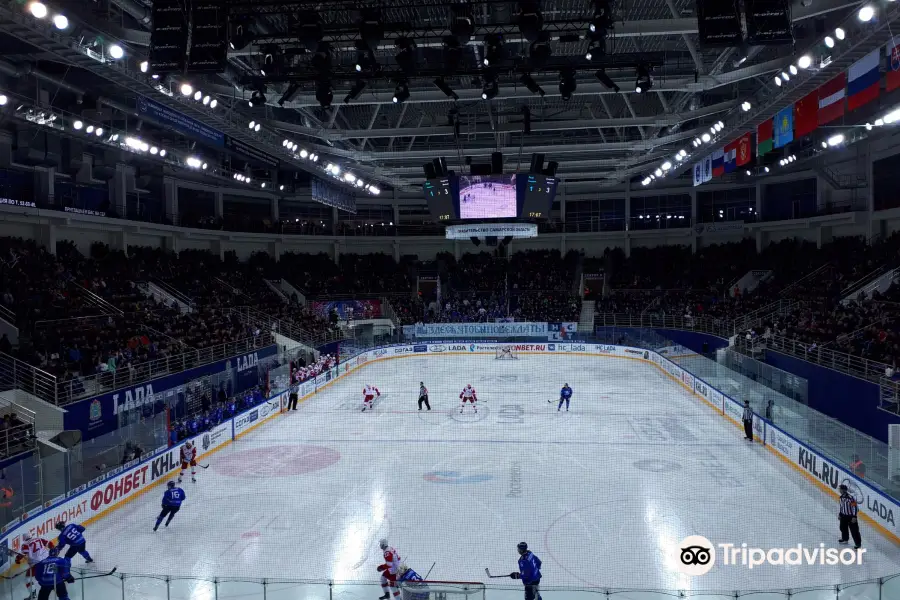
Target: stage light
x=666, y=166
x=154, y=150
x=186, y=89
x=116, y=52
x=401, y=92
x=493, y=49
x=532, y=85
x=785, y=76
x=257, y=98
x=567, y=84
x=77, y=125
x=304, y=153
x=748, y=174
x=804, y=61
x=350, y=177
x=705, y=137
x=213, y=103
x=778, y=81
x=766, y=169
x=60, y=22
x=38, y=10
x=198, y=95
x=839, y=33
x=490, y=89
x=792, y=69
x=324, y=93
x=643, y=81
x=746, y=106
x=89, y=129
x=251, y=125
x=406, y=54
x=829, y=41
x=3, y=99
x=206, y=100
x=281, y=188
x=866, y=13
x=98, y=132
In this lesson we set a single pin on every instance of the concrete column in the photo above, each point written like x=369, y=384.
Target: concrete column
x=561, y=194
x=874, y=226
x=276, y=249
x=760, y=241
x=760, y=196
x=117, y=194
x=220, y=204
x=695, y=220
x=85, y=172
x=119, y=241
x=337, y=251
x=457, y=252
x=275, y=213
x=396, y=251
x=217, y=248
x=396, y=214
x=334, y=220
x=627, y=246
x=170, y=198
x=171, y=243
x=628, y=208
x=6, y=148
x=44, y=179
x=49, y=238
x=821, y=192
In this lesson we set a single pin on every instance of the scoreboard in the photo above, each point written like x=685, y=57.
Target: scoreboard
x=516, y=196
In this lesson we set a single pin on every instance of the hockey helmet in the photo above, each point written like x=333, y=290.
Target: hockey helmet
x=383, y=543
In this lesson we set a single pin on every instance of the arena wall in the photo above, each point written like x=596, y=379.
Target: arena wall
x=101, y=496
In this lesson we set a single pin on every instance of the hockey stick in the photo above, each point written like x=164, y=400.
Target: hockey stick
x=488, y=573
x=100, y=575
x=429, y=570
x=203, y=466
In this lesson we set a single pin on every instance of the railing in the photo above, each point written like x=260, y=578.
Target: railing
x=173, y=291
x=269, y=324
x=95, y=300
x=92, y=385
x=18, y=375
x=839, y=361
x=719, y=327
x=862, y=281
x=126, y=586
x=7, y=315
x=753, y=318
x=805, y=278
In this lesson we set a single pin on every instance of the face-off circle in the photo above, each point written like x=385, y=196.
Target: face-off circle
x=277, y=461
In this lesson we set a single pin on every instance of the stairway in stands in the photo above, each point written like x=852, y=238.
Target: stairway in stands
x=586, y=319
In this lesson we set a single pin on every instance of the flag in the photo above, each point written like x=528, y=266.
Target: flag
x=731, y=156
x=698, y=173
x=863, y=80
x=707, y=169
x=893, y=72
x=831, y=99
x=764, y=137
x=718, y=163
x=806, y=114
x=743, y=149
x=784, y=126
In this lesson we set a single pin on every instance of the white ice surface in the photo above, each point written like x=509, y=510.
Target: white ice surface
x=599, y=493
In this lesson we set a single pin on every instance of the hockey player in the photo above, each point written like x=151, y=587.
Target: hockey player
x=529, y=572
x=52, y=574
x=370, y=392
x=468, y=395
x=412, y=590
x=72, y=534
x=171, y=503
x=564, y=395
x=423, y=395
x=188, y=457
x=389, y=570
x=34, y=550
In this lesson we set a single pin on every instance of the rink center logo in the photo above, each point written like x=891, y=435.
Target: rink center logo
x=455, y=477
x=695, y=555
x=437, y=348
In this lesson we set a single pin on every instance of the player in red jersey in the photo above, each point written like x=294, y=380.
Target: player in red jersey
x=468, y=395
x=389, y=570
x=370, y=392
x=188, y=457
x=34, y=550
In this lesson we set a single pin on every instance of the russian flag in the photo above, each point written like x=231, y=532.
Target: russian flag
x=718, y=163
x=863, y=80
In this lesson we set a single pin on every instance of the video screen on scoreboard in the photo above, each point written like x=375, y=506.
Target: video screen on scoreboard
x=487, y=196
x=439, y=195
x=537, y=195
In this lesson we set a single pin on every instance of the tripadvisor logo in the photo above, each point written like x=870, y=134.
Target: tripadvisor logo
x=695, y=555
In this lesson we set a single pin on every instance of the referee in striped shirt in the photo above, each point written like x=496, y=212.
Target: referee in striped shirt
x=748, y=421
x=848, y=518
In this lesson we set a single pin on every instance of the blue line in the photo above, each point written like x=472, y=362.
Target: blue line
x=543, y=442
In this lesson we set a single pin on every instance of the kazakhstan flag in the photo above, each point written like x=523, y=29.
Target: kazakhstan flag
x=784, y=126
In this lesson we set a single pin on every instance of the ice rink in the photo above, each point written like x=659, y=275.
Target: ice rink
x=599, y=493
x=488, y=200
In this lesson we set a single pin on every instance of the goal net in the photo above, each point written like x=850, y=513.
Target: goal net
x=442, y=590
x=507, y=353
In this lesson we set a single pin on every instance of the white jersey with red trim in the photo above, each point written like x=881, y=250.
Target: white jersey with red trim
x=34, y=551
x=392, y=561
x=468, y=394
x=188, y=455
x=370, y=391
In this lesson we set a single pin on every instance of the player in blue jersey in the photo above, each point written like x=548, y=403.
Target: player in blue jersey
x=412, y=591
x=529, y=572
x=565, y=394
x=171, y=503
x=71, y=534
x=52, y=574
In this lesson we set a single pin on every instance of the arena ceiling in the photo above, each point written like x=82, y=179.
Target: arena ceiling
x=596, y=133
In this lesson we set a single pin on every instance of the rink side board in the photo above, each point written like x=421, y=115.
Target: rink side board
x=90, y=502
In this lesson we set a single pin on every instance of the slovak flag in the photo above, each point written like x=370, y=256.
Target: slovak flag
x=893, y=72
x=718, y=163
x=863, y=80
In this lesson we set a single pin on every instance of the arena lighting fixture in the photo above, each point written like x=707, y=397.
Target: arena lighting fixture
x=203, y=166
x=360, y=183
x=281, y=188
x=785, y=76
x=186, y=89
x=145, y=66
x=89, y=129
x=350, y=177
x=38, y=10
x=98, y=131
x=263, y=185
x=374, y=190
x=839, y=33
x=705, y=137
x=493, y=49
x=778, y=81
x=401, y=92
x=748, y=174
x=746, y=106
x=679, y=158
x=766, y=169
x=682, y=153
x=3, y=99
x=658, y=172
x=77, y=125
x=116, y=52
x=251, y=124
x=304, y=153
x=257, y=98
x=892, y=116
x=205, y=100
x=60, y=22
x=643, y=82
x=162, y=152
x=879, y=122
x=804, y=61
x=697, y=142
x=829, y=41
x=355, y=91
x=866, y=13
x=154, y=150
x=666, y=166
x=198, y=95
x=567, y=84
x=824, y=144
x=213, y=103
x=868, y=127
x=335, y=170
x=792, y=69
